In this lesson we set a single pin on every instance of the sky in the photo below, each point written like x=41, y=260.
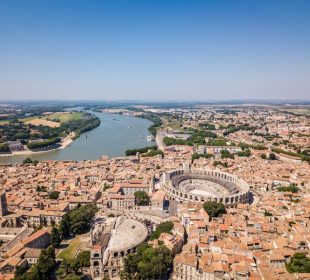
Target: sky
x=155, y=49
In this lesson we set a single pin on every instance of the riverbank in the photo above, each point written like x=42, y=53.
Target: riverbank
x=111, y=138
x=65, y=142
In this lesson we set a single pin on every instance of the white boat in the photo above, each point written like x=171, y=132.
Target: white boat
x=150, y=138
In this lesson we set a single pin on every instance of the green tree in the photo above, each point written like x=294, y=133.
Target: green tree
x=226, y=154
x=162, y=227
x=4, y=148
x=43, y=144
x=81, y=218
x=147, y=263
x=27, y=160
x=133, y=152
x=46, y=263
x=291, y=188
x=70, y=269
x=142, y=198
x=153, y=153
x=55, y=237
x=272, y=156
x=214, y=209
x=267, y=214
x=20, y=270
x=31, y=274
x=84, y=259
x=54, y=195
x=196, y=156
x=76, y=221
x=64, y=227
x=168, y=141
x=299, y=263
x=41, y=189
x=44, y=269
x=263, y=156
x=245, y=153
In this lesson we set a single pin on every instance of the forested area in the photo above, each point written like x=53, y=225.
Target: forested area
x=133, y=152
x=148, y=263
x=37, y=137
x=156, y=122
x=197, y=138
x=47, y=268
x=43, y=144
x=4, y=148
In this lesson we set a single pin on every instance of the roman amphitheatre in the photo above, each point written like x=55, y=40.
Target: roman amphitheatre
x=202, y=185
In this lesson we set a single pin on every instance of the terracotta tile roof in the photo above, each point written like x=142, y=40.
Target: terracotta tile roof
x=34, y=236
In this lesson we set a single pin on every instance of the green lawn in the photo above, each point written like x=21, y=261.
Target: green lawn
x=3, y=122
x=64, y=117
x=175, y=125
x=79, y=242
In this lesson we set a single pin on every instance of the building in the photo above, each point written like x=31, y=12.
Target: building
x=3, y=204
x=134, y=186
x=32, y=255
x=38, y=217
x=218, y=149
x=288, y=158
x=111, y=242
x=202, y=185
x=158, y=200
x=121, y=202
x=40, y=239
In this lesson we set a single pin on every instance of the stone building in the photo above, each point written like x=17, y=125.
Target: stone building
x=111, y=242
x=202, y=185
x=3, y=204
x=40, y=239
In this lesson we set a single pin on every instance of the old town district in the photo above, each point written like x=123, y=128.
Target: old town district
x=247, y=219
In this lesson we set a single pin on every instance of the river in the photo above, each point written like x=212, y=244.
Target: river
x=115, y=135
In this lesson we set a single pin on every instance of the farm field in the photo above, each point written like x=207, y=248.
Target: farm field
x=54, y=119
x=3, y=122
x=43, y=122
x=64, y=117
x=51, y=120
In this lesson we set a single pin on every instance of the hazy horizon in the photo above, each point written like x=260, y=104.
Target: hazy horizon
x=188, y=100
x=155, y=50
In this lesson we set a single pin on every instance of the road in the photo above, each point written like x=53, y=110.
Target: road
x=159, y=140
